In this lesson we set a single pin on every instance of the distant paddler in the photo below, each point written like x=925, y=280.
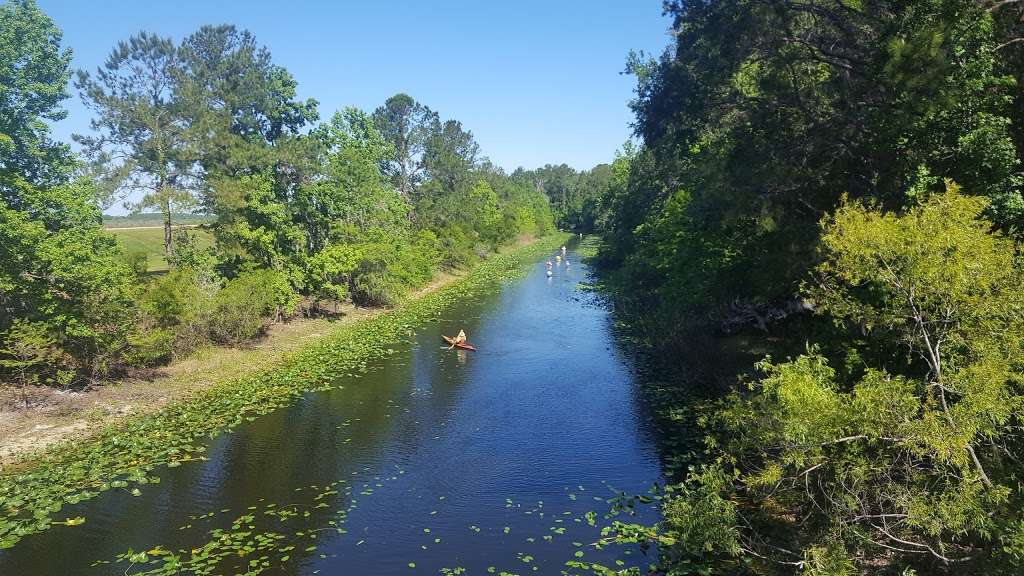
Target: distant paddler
x=459, y=339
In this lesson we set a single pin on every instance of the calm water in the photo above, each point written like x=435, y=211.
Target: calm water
x=498, y=454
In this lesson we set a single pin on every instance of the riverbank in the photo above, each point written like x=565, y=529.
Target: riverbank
x=126, y=453
x=60, y=416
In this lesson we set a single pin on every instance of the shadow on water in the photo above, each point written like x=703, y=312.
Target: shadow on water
x=432, y=459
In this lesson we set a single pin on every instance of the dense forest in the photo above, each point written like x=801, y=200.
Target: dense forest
x=362, y=207
x=840, y=183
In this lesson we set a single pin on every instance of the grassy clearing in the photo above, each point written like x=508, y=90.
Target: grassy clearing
x=153, y=219
x=150, y=241
x=124, y=456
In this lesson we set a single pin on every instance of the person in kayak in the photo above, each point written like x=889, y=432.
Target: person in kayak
x=460, y=339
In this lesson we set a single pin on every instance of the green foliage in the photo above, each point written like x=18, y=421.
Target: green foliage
x=28, y=347
x=846, y=472
x=152, y=347
x=57, y=267
x=354, y=195
x=456, y=247
x=386, y=271
x=192, y=251
x=140, y=141
x=177, y=298
x=246, y=124
x=405, y=125
x=575, y=197
x=177, y=308
x=893, y=442
x=64, y=288
x=764, y=117
x=241, y=308
x=128, y=453
x=34, y=72
x=255, y=227
x=137, y=260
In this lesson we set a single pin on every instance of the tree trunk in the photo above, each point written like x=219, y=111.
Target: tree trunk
x=167, y=229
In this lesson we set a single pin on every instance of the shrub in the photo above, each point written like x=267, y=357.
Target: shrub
x=189, y=254
x=179, y=303
x=456, y=247
x=175, y=299
x=25, y=350
x=372, y=283
x=151, y=347
x=241, y=307
x=137, y=260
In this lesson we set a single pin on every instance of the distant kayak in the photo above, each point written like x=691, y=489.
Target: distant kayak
x=451, y=341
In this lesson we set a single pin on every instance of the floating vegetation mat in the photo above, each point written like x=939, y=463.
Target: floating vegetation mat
x=316, y=526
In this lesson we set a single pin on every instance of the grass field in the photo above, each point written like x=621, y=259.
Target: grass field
x=152, y=219
x=150, y=240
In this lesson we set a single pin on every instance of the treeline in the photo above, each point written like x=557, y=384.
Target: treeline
x=845, y=178
x=575, y=196
x=362, y=207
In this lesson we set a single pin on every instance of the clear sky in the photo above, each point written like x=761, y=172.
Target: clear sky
x=536, y=81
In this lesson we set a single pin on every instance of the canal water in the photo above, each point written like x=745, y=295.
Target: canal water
x=435, y=460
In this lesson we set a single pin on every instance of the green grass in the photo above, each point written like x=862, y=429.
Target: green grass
x=152, y=219
x=151, y=242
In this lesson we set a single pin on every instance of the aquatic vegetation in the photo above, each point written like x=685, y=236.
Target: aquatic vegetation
x=269, y=535
x=124, y=457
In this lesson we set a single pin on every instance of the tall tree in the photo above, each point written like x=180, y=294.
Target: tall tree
x=140, y=142
x=406, y=125
x=764, y=113
x=65, y=297
x=352, y=195
x=34, y=72
x=240, y=106
x=450, y=154
x=245, y=122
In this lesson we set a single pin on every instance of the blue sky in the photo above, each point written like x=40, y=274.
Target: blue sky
x=536, y=81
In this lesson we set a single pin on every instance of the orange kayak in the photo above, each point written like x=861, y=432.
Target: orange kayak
x=464, y=346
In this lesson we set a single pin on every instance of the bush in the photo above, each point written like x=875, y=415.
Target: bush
x=456, y=247
x=179, y=303
x=189, y=254
x=176, y=298
x=151, y=348
x=137, y=260
x=242, y=307
x=387, y=270
x=372, y=282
